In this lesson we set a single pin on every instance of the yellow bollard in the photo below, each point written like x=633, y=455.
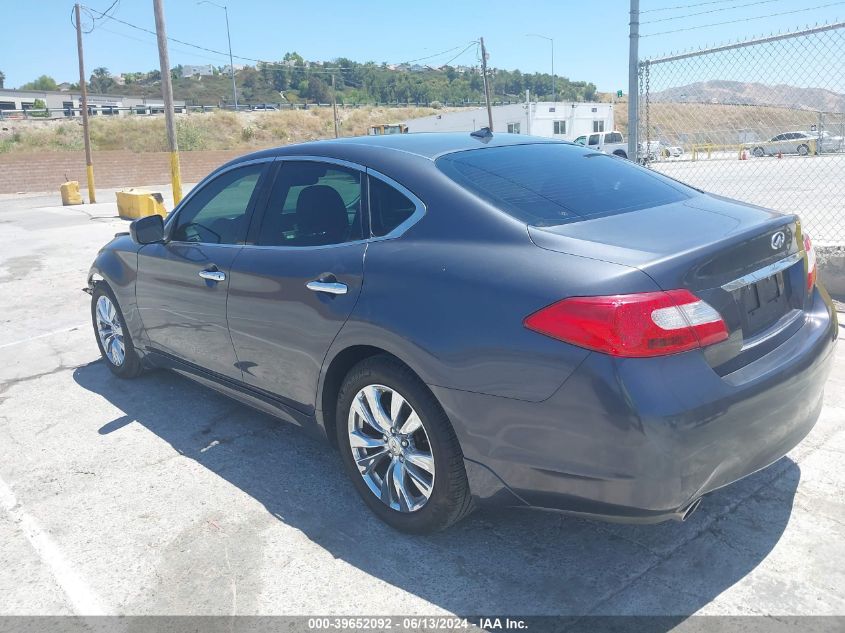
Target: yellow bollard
x=70, y=193
x=139, y=203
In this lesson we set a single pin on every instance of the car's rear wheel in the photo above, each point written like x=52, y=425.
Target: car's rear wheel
x=113, y=340
x=803, y=150
x=758, y=152
x=399, y=448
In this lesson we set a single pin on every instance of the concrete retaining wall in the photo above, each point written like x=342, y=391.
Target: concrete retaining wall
x=45, y=171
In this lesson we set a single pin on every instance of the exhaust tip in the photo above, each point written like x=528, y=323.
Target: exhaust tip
x=686, y=513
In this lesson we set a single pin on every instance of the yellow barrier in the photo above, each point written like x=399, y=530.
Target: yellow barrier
x=138, y=203
x=70, y=193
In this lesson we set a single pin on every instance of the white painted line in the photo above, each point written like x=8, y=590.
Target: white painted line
x=82, y=598
x=45, y=335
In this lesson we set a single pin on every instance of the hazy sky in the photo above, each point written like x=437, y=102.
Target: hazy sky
x=591, y=37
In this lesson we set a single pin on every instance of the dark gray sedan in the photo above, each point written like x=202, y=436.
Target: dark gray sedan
x=479, y=319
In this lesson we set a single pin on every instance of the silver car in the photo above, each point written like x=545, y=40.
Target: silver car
x=802, y=143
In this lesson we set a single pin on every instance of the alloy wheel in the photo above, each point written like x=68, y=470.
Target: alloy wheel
x=110, y=331
x=391, y=448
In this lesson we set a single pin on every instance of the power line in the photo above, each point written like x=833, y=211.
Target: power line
x=471, y=44
x=731, y=8
x=761, y=17
x=687, y=6
x=419, y=59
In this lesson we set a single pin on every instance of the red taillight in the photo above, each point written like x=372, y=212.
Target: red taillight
x=635, y=325
x=811, y=262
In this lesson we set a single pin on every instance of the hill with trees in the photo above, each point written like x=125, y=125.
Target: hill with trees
x=293, y=79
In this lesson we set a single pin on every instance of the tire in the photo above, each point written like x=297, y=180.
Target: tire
x=384, y=377
x=620, y=153
x=111, y=334
x=803, y=150
x=758, y=152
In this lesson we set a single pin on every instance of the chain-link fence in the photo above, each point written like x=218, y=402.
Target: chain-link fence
x=761, y=121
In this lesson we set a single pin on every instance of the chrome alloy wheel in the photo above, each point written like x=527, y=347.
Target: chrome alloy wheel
x=110, y=331
x=391, y=448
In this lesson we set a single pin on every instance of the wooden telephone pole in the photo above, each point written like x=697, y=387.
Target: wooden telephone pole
x=486, y=85
x=167, y=95
x=83, y=106
x=334, y=109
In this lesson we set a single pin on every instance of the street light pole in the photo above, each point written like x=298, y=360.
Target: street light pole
x=552, y=41
x=229, y=38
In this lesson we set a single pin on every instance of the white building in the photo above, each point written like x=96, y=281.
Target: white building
x=204, y=70
x=564, y=120
x=16, y=103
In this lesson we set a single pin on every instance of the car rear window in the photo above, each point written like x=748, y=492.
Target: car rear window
x=547, y=184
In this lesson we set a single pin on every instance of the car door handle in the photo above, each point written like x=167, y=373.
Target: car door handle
x=330, y=287
x=213, y=275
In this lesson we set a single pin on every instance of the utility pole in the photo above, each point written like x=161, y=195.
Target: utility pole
x=334, y=108
x=633, y=87
x=167, y=95
x=83, y=106
x=486, y=85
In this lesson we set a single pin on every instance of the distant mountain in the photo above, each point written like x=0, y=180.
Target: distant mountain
x=752, y=93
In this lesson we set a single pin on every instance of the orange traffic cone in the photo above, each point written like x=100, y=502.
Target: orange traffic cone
x=743, y=155
x=780, y=154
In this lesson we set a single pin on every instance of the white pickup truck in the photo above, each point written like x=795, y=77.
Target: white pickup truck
x=607, y=142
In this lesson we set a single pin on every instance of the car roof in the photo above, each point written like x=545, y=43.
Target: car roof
x=430, y=145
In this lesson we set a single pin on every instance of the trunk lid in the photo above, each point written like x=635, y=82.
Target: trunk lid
x=745, y=261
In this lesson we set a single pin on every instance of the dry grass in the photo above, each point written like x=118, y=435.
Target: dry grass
x=722, y=124
x=212, y=130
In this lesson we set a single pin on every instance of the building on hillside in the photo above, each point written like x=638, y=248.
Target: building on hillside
x=204, y=70
x=14, y=103
x=564, y=120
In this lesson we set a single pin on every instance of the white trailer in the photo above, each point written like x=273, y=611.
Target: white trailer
x=565, y=120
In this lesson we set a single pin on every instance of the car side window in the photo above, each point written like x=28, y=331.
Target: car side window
x=594, y=139
x=388, y=207
x=313, y=204
x=217, y=214
x=779, y=137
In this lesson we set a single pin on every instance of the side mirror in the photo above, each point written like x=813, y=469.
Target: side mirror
x=147, y=230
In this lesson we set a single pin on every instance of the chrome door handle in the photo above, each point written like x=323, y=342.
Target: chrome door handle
x=330, y=287
x=213, y=275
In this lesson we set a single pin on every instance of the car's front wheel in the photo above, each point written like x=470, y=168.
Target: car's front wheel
x=803, y=150
x=399, y=448
x=113, y=340
x=758, y=152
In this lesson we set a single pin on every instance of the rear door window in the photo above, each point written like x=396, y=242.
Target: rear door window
x=547, y=184
x=313, y=204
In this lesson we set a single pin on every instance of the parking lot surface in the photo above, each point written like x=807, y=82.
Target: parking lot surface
x=158, y=496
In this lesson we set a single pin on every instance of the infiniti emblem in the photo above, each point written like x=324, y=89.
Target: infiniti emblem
x=778, y=240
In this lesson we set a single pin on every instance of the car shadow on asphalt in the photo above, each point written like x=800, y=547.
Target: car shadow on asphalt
x=515, y=562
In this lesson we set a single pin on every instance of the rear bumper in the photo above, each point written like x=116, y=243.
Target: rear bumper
x=641, y=439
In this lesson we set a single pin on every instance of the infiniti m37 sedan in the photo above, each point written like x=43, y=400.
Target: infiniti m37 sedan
x=480, y=319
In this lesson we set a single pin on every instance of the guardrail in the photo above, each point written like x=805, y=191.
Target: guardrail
x=152, y=110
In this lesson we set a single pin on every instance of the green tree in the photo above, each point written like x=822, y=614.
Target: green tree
x=101, y=80
x=44, y=82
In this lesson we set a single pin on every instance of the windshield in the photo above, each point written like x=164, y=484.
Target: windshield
x=547, y=184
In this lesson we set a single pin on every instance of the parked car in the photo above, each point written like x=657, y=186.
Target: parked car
x=483, y=319
x=607, y=142
x=802, y=143
x=673, y=151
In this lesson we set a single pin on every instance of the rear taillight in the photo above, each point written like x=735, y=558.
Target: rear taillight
x=811, y=262
x=634, y=325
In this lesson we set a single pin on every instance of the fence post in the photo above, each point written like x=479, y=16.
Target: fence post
x=633, y=88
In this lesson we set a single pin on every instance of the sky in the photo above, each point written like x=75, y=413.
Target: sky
x=590, y=37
